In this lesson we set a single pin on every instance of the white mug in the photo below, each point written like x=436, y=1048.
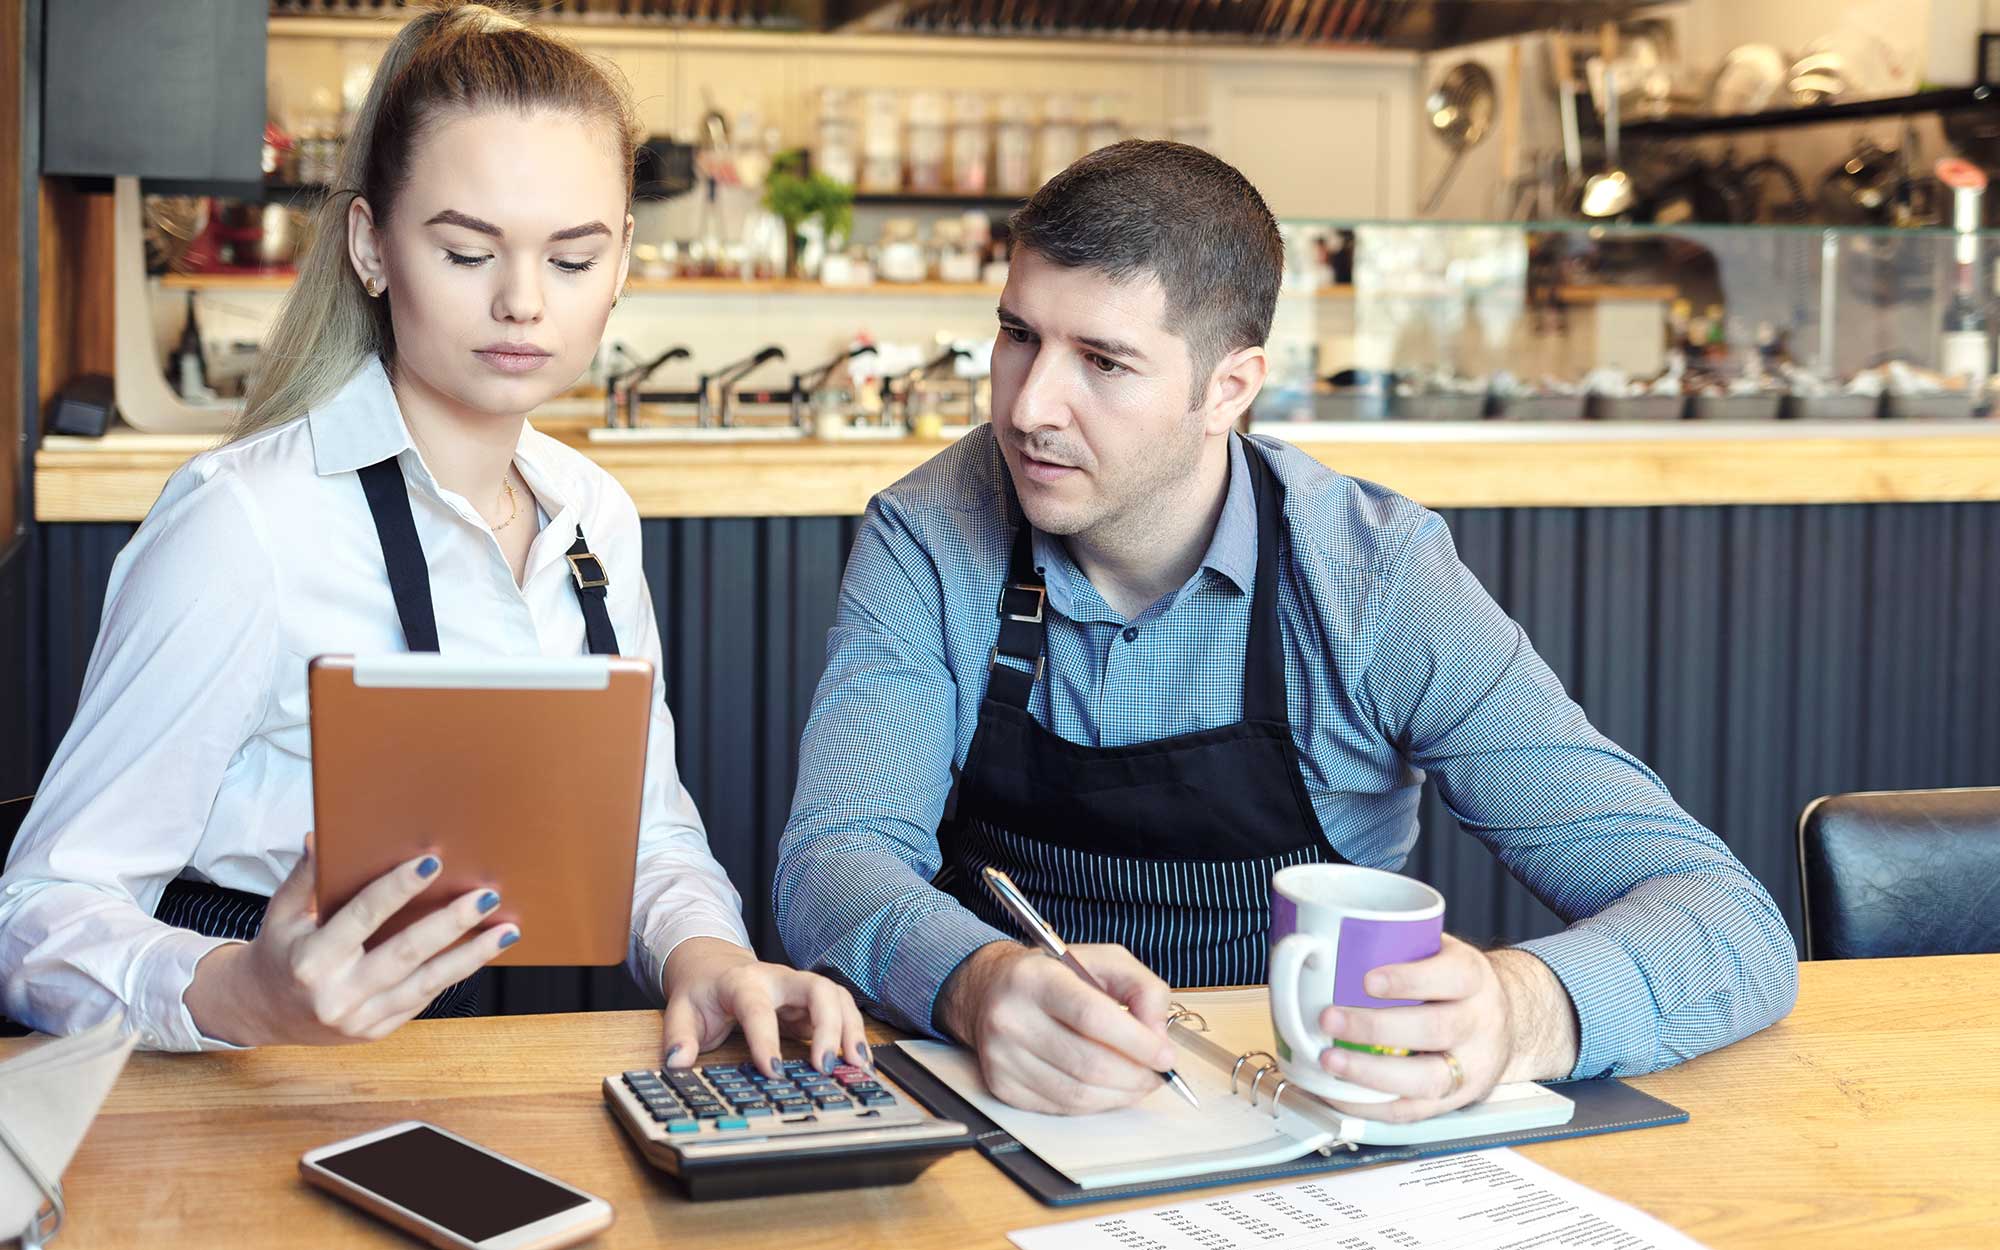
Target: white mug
x=1330, y=925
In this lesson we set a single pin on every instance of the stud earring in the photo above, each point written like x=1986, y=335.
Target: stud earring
x=374, y=288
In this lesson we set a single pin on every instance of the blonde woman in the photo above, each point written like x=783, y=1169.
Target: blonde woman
x=383, y=492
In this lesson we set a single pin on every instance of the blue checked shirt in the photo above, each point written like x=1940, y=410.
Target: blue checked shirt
x=1398, y=664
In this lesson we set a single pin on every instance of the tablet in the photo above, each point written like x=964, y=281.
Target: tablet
x=523, y=775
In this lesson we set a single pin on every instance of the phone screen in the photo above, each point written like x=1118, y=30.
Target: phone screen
x=473, y=1194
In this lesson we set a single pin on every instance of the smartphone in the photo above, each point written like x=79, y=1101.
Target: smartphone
x=453, y=1193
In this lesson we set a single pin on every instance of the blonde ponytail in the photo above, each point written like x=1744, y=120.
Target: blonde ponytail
x=454, y=55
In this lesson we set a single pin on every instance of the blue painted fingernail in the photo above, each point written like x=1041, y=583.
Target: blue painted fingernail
x=674, y=1051
x=488, y=901
x=866, y=1058
x=428, y=866
x=510, y=937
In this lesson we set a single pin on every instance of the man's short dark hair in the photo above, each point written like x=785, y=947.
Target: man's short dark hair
x=1178, y=213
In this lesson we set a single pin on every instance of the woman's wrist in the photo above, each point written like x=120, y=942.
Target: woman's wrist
x=688, y=958
x=216, y=1000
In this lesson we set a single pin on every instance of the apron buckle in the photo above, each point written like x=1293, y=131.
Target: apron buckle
x=993, y=659
x=1018, y=610
x=588, y=571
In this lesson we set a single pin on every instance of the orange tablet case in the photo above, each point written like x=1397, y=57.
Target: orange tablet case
x=523, y=776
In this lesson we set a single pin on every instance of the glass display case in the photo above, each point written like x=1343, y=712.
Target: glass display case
x=1577, y=321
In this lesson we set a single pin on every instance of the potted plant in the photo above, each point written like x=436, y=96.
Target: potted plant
x=798, y=196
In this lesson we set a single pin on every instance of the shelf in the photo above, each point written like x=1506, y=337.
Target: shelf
x=282, y=280
x=789, y=288
x=1947, y=100
x=941, y=199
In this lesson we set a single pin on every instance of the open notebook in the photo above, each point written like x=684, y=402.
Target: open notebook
x=1162, y=1143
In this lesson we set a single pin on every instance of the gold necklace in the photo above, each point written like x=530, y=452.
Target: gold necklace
x=513, y=504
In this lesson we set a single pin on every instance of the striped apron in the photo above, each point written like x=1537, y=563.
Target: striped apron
x=214, y=911
x=1165, y=847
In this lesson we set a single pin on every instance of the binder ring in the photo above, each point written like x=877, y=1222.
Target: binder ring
x=1177, y=1014
x=1244, y=1058
x=1262, y=1072
x=1278, y=1092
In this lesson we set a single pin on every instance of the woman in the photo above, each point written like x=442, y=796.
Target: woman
x=462, y=276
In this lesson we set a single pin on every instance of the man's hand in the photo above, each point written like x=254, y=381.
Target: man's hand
x=1049, y=1042
x=1502, y=1015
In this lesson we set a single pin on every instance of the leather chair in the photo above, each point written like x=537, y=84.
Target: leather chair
x=1910, y=872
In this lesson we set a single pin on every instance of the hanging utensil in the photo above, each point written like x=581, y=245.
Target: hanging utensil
x=1460, y=112
x=1572, y=134
x=1611, y=193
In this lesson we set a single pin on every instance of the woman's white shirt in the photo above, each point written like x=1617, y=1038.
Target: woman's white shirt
x=190, y=748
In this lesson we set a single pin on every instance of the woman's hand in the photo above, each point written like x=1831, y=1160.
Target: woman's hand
x=709, y=983
x=301, y=981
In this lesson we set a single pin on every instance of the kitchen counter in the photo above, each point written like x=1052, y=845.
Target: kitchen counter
x=1442, y=465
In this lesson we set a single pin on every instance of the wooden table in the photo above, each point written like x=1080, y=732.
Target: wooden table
x=1870, y=1117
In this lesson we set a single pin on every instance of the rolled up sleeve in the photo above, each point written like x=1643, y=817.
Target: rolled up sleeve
x=853, y=892
x=1673, y=947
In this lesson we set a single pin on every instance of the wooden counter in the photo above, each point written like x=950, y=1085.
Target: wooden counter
x=1470, y=465
x=1870, y=1117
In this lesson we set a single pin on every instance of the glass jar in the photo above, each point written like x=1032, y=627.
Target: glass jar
x=970, y=146
x=881, y=143
x=1103, y=129
x=836, y=155
x=1061, y=137
x=1014, y=147
x=927, y=143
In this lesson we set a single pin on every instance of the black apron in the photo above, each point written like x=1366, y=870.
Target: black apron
x=216, y=911
x=1165, y=847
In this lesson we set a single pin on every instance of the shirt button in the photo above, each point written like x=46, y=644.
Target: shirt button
x=1132, y=635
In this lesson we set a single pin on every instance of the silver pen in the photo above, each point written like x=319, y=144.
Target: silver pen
x=1049, y=940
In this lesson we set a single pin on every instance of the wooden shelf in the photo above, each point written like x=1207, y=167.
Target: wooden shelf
x=1483, y=464
x=280, y=281
x=251, y=281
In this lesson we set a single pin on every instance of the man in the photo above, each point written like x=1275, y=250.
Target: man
x=1140, y=662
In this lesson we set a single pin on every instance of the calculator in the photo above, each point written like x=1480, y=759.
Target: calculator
x=729, y=1131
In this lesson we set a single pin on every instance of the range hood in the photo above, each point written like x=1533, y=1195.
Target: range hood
x=1423, y=25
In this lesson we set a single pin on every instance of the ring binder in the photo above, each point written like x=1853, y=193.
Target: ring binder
x=35, y=1236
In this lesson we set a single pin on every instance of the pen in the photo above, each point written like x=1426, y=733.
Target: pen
x=1017, y=905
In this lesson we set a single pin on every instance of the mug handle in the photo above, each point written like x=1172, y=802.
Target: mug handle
x=1291, y=955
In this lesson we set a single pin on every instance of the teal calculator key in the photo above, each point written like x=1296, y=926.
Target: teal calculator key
x=684, y=1126
x=732, y=1121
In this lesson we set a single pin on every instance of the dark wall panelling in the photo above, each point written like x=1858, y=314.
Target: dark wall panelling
x=1755, y=657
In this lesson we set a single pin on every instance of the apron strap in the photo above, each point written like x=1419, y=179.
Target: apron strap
x=586, y=573
x=402, y=553
x=1023, y=600
x=410, y=578
x=1264, y=654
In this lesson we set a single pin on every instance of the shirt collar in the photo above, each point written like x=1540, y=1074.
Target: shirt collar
x=363, y=424
x=1232, y=550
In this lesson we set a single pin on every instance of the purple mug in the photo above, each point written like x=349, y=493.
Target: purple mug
x=1330, y=924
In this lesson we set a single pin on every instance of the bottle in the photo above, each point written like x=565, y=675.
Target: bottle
x=1965, y=350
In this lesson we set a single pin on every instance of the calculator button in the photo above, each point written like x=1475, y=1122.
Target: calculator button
x=708, y=1113
x=721, y=1069
x=641, y=1078
x=863, y=1087
x=735, y=1121
x=672, y=1115
x=758, y=1109
x=833, y=1104
x=684, y=1126
x=878, y=1099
